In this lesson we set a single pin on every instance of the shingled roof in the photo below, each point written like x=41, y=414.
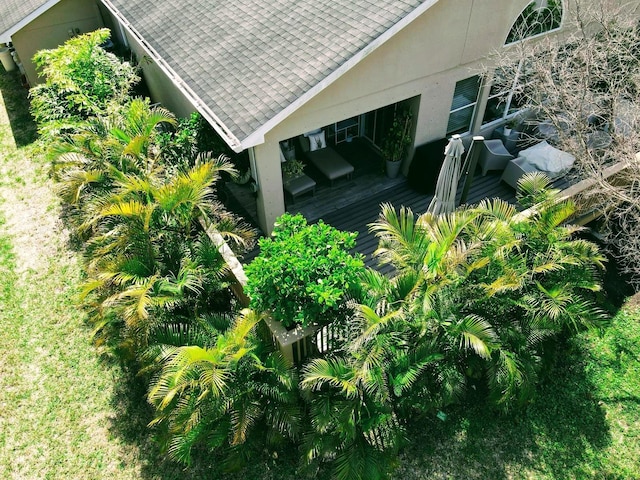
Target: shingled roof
x=248, y=63
x=13, y=13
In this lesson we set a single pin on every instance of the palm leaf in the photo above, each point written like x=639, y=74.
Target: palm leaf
x=334, y=372
x=476, y=334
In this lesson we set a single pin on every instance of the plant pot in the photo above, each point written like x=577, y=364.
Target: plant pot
x=6, y=59
x=393, y=169
x=507, y=131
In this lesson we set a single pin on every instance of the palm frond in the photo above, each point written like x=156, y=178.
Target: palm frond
x=334, y=372
x=402, y=242
x=476, y=334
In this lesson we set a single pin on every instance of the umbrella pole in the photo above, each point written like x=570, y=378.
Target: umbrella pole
x=470, y=162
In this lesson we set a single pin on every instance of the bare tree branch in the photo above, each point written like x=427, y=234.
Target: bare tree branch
x=581, y=85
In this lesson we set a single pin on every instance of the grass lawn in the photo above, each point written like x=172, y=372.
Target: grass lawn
x=66, y=411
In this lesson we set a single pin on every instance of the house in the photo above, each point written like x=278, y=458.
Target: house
x=265, y=71
x=32, y=25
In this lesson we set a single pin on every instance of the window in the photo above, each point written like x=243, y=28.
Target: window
x=463, y=105
x=346, y=129
x=540, y=16
x=506, y=93
x=503, y=99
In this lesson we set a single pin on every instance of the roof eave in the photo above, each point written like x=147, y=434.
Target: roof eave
x=5, y=36
x=195, y=100
x=257, y=137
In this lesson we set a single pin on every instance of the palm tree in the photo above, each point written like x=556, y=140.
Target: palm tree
x=358, y=398
x=222, y=390
x=488, y=287
x=102, y=151
x=353, y=424
x=150, y=256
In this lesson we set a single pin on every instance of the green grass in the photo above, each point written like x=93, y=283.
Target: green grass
x=68, y=412
x=584, y=422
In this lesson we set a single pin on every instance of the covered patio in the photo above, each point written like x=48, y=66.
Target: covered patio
x=352, y=204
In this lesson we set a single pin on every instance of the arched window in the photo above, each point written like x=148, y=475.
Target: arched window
x=538, y=17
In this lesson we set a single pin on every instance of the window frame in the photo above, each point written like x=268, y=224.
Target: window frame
x=559, y=4
x=473, y=104
x=507, y=94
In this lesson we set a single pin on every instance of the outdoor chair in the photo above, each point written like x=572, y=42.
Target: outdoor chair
x=541, y=157
x=299, y=185
x=515, y=169
x=494, y=156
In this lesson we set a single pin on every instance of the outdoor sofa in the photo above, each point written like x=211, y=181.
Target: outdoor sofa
x=541, y=157
x=324, y=158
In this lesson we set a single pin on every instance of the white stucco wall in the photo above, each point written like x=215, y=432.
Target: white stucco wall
x=447, y=43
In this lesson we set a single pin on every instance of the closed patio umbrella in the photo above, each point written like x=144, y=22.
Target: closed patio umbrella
x=444, y=199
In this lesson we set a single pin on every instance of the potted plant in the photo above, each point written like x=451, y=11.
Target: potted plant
x=397, y=141
x=292, y=169
x=509, y=126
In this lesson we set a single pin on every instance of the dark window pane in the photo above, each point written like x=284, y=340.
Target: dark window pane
x=460, y=120
x=466, y=92
x=495, y=109
x=463, y=104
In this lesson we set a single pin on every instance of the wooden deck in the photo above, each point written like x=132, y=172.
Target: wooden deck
x=351, y=205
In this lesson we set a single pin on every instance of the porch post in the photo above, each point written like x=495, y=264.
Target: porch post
x=265, y=165
x=470, y=162
x=481, y=105
x=414, y=105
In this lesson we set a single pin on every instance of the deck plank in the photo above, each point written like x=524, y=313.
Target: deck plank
x=351, y=205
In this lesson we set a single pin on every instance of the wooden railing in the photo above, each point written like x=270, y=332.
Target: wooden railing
x=296, y=344
x=577, y=191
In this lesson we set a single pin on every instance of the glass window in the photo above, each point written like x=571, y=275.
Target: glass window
x=463, y=105
x=506, y=95
x=538, y=17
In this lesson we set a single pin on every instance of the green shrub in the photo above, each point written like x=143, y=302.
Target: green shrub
x=304, y=273
x=81, y=81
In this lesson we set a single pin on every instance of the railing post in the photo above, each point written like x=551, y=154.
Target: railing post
x=470, y=163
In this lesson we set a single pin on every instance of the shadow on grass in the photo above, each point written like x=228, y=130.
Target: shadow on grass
x=130, y=425
x=17, y=104
x=556, y=436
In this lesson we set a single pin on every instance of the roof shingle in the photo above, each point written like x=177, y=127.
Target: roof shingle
x=13, y=12
x=249, y=59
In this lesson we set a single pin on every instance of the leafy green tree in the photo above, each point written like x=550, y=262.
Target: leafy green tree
x=304, y=273
x=81, y=80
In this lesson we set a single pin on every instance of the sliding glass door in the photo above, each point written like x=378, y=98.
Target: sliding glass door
x=376, y=124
